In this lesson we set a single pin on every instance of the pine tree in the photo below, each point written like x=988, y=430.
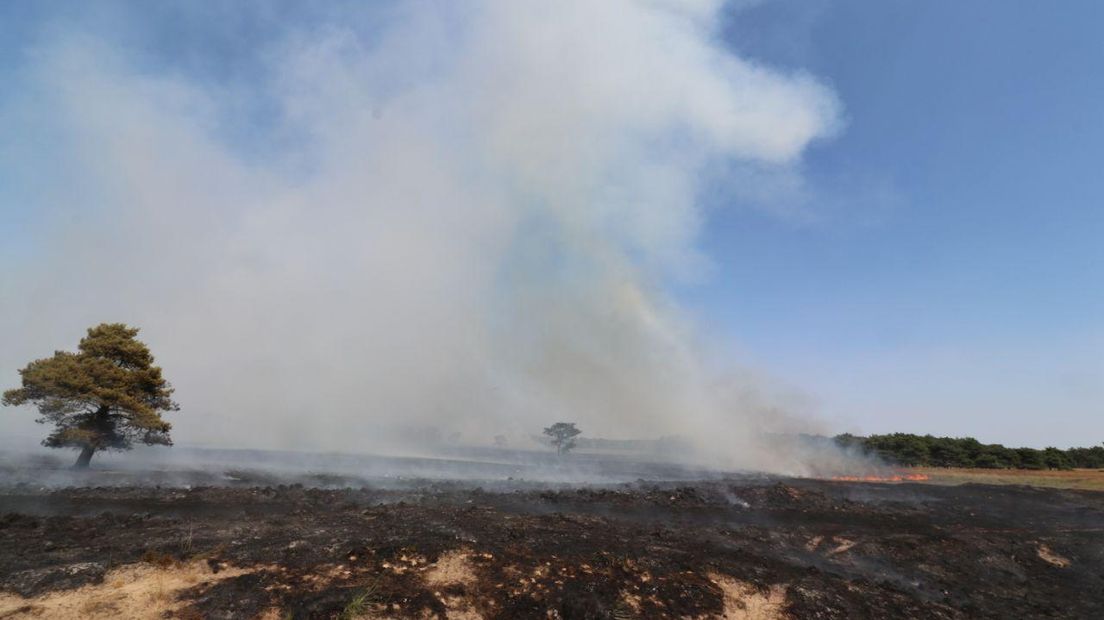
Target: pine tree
x=106, y=396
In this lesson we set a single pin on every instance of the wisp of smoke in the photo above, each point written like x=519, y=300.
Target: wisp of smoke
x=460, y=225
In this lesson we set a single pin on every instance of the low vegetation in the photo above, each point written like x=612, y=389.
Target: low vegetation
x=928, y=451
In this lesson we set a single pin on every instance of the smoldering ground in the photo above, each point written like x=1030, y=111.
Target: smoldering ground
x=724, y=548
x=369, y=225
x=450, y=467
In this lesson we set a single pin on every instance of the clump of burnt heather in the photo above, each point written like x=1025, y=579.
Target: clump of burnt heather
x=839, y=550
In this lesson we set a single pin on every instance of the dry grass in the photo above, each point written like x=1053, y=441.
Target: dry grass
x=138, y=591
x=361, y=604
x=744, y=601
x=455, y=569
x=1084, y=479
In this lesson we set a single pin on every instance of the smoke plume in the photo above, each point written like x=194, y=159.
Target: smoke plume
x=450, y=222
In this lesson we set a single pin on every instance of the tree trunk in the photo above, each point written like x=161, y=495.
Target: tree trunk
x=84, y=458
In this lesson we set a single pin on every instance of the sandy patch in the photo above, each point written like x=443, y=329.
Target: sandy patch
x=744, y=601
x=1052, y=558
x=454, y=569
x=136, y=591
x=842, y=544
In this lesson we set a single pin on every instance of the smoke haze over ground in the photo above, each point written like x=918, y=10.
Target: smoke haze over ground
x=410, y=223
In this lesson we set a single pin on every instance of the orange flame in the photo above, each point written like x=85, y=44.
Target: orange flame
x=891, y=478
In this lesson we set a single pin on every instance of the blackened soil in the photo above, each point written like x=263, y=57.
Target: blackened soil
x=841, y=550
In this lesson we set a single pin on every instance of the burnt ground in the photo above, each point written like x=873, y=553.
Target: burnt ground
x=818, y=549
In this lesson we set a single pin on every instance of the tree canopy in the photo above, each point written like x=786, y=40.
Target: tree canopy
x=926, y=450
x=106, y=396
x=563, y=435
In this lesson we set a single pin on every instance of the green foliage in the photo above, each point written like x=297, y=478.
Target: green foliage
x=106, y=396
x=362, y=602
x=563, y=436
x=1055, y=459
x=1031, y=458
x=1086, y=457
x=929, y=451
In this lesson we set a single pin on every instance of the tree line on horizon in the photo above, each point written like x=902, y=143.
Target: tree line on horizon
x=928, y=451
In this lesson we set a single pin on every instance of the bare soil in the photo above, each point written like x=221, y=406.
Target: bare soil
x=734, y=548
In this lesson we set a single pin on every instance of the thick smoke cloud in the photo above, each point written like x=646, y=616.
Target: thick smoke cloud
x=463, y=223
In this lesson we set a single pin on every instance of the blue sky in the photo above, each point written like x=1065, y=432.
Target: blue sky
x=942, y=268
x=959, y=252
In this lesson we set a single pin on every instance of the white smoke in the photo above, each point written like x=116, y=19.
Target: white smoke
x=468, y=226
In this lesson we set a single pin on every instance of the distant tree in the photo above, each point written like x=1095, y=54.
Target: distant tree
x=849, y=441
x=1030, y=458
x=973, y=450
x=1092, y=458
x=947, y=452
x=563, y=436
x=909, y=449
x=106, y=396
x=1055, y=458
x=987, y=460
x=912, y=450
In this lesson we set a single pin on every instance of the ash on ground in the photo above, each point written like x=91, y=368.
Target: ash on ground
x=738, y=547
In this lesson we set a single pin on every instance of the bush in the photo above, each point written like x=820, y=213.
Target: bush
x=926, y=450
